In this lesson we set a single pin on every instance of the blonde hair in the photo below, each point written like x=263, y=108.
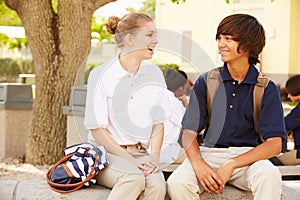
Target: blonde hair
x=128, y=23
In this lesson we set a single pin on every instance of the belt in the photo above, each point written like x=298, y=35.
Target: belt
x=135, y=149
x=137, y=146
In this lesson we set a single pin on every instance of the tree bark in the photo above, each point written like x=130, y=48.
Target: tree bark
x=59, y=43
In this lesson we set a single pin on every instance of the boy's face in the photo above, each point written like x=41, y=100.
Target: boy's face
x=180, y=91
x=294, y=98
x=228, y=49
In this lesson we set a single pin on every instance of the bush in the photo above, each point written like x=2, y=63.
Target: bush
x=165, y=67
x=88, y=69
x=26, y=66
x=11, y=68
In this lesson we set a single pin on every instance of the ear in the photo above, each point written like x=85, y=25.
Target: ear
x=178, y=91
x=129, y=39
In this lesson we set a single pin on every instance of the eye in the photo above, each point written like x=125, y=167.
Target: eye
x=228, y=38
x=152, y=35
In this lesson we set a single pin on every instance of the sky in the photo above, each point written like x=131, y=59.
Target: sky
x=118, y=8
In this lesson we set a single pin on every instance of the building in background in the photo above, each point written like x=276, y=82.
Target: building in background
x=188, y=33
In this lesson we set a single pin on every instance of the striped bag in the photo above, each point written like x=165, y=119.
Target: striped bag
x=78, y=168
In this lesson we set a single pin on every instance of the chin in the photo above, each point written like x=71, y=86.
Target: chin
x=147, y=57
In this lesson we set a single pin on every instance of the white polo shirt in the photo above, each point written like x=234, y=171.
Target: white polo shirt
x=127, y=105
x=170, y=149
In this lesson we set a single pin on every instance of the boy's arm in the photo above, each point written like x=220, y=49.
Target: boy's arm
x=271, y=147
x=206, y=175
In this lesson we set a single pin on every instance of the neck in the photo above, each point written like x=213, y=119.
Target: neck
x=238, y=70
x=129, y=62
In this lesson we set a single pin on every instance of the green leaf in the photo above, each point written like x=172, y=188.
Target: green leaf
x=8, y=17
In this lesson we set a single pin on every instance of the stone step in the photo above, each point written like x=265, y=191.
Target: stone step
x=292, y=170
x=39, y=190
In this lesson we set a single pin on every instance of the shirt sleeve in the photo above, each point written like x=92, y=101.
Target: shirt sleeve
x=96, y=115
x=177, y=110
x=271, y=119
x=292, y=120
x=195, y=117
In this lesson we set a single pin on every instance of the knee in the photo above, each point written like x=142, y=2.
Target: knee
x=267, y=173
x=136, y=180
x=158, y=186
x=174, y=184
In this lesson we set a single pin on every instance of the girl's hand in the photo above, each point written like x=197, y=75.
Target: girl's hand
x=147, y=165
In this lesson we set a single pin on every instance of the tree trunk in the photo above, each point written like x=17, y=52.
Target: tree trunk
x=59, y=43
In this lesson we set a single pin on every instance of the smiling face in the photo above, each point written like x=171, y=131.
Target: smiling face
x=228, y=49
x=247, y=31
x=143, y=41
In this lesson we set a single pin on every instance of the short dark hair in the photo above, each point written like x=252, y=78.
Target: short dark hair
x=292, y=85
x=246, y=30
x=175, y=79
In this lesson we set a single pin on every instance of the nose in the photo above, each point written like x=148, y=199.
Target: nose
x=155, y=40
x=221, y=42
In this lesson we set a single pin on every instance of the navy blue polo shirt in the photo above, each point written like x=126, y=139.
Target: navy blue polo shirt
x=231, y=122
x=292, y=122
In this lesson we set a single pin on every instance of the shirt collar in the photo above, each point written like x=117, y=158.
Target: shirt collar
x=251, y=76
x=120, y=72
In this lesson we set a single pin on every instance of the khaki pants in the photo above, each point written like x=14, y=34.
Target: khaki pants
x=127, y=181
x=289, y=158
x=262, y=177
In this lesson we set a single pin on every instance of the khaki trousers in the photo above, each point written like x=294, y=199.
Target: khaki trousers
x=262, y=177
x=127, y=182
x=289, y=158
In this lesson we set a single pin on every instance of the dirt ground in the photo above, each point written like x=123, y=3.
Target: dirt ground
x=15, y=169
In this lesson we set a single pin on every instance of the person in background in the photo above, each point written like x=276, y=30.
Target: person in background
x=171, y=151
x=126, y=98
x=232, y=151
x=292, y=122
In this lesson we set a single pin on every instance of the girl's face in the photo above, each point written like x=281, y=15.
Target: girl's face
x=228, y=49
x=294, y=98
x=143, y=41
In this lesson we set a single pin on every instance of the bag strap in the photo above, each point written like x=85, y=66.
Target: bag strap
x=258, y=93
x=213, y=81
x=75, y=186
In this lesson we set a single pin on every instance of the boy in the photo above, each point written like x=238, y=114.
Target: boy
x=171, y=151
x=232, y=151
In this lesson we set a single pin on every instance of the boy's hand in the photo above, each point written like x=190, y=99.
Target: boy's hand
x=184, y=100
x=225, y=172
x=208, y=178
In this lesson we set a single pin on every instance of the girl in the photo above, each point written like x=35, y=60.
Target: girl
x=124, y=111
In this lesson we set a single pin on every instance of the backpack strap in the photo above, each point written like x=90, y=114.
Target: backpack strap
x=212, y=83
x=258, y=93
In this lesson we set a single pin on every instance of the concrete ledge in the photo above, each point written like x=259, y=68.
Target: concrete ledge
x=289, y=170
x=39, y=190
